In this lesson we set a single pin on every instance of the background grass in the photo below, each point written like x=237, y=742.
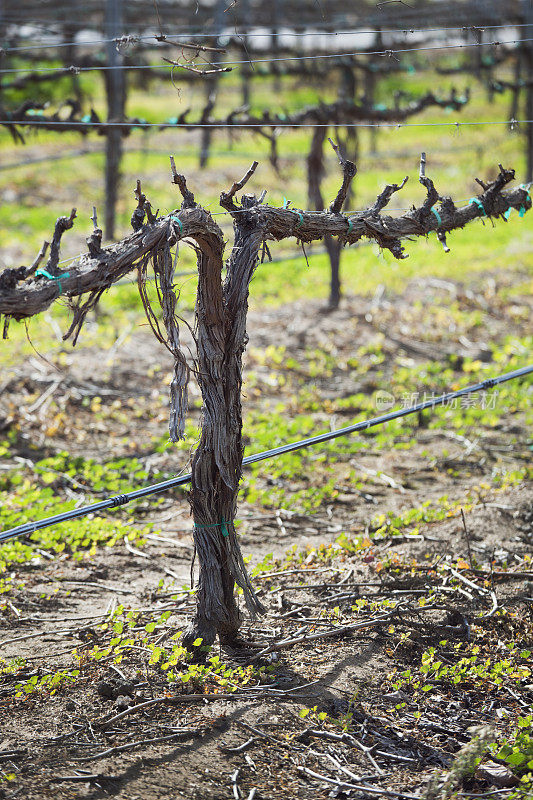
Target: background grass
x=35, y=195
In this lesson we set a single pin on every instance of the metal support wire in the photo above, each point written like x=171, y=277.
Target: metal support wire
x=158, y=488
x=389, y=53
x=247, y=30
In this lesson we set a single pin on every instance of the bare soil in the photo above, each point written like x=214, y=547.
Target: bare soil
x=60, y=741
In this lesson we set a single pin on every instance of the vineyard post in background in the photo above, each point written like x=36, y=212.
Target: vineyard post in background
x=528, y=56
x=116, y=101
x=70, y=49
x=211, y=85
x=246, y=68
x=316, y=171
x=274, y=42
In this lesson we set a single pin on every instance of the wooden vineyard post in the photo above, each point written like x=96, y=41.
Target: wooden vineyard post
x=116, y=98
x=274, y=44
x=315, y=173
x=528, y=58
x=211, y=87
x=246, y=16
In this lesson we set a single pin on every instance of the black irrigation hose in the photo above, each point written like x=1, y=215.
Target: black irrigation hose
x=157, y=488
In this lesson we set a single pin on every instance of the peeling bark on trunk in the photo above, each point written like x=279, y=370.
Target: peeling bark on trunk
x=217, y=463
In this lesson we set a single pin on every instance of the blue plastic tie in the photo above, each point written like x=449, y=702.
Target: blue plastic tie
x=46, y=274
x=507, y=214
x=350, y=226
x=301, y=220
x=285, y=203
x=437, y=215
x=479, y=204
x=178, y=220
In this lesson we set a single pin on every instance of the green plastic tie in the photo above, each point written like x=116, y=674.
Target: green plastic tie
x=222, y=525
x=479, y=204
x=437, y=215
x=178, y=220
x=350, y=226
x=301, y=220
x=522, y=211
x=46, y=274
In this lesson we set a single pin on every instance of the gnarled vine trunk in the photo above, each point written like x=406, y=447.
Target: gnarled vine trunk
x=221, y=311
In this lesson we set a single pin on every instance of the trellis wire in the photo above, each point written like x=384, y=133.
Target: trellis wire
x=134, y=38
x=271, y=124
x=100, y=151
x=388, y=52
x=270, y=34
x=158, y=488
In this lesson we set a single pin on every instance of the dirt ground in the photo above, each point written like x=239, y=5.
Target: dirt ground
x=199, y=741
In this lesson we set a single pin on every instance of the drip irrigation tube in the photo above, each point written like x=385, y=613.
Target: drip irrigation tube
x=158, y=488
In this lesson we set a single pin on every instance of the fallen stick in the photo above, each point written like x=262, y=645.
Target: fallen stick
x=121, y=748
x=342, y=785
x=283, y=645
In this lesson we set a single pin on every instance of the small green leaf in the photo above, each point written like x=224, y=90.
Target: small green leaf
x=515, y=759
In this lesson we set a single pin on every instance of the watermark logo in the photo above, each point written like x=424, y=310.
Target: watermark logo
x=383, y=401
